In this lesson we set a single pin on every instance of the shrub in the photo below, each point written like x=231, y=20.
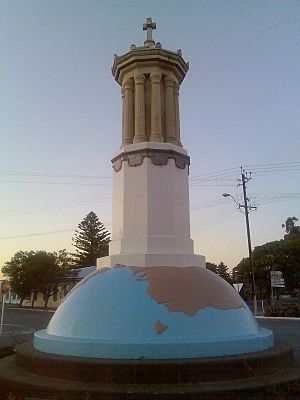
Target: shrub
x=286, y=310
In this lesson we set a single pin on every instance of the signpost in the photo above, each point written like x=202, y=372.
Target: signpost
x=238, y=286
x=5, y=286
x=276, y=281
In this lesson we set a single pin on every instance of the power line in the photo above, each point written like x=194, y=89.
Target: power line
x=219, y=216
x=208, y=204
x=57, y=183
x=203, y=184
x=263, y=198
x=54, y=207
x=97, y=196
x=272, y=164
x=53, y=175
x=295, y=165
x=35, y=234
x=266, y=199
x=221, y=171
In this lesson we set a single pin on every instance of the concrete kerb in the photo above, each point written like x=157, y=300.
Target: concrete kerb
x=278, y=318
x=31, y=309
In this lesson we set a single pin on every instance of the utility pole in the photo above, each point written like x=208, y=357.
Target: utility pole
x=248, y=207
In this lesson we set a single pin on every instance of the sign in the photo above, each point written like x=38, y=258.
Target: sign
x=238, y=286
x=5, y=286
x=277, y=280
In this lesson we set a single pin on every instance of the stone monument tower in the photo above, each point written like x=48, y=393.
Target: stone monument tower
x=151, y=218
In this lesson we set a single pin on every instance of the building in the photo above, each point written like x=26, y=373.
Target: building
x=62, y=290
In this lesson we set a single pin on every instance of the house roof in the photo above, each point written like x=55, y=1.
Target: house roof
x=81, y=273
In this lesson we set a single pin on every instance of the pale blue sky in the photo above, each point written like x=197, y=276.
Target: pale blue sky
x=61, y=114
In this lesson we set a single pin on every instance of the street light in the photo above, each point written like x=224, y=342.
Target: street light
x=246, y=207
x=229, y=195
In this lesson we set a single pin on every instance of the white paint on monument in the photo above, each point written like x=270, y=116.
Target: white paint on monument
x=151, y=219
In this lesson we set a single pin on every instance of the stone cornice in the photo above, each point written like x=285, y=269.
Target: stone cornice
x=149, y=55
x=157, y=156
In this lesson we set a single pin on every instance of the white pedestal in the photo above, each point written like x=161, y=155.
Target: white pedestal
x=151, y=218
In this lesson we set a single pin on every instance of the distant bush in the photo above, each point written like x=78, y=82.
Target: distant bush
x=284, y=310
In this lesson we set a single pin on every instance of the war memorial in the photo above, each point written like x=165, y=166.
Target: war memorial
x=151, y=322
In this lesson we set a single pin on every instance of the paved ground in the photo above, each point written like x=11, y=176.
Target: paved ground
x=287, y=330
x=29, y=319
x=19, y=324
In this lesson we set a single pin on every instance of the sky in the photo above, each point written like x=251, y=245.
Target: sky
x=60, y=118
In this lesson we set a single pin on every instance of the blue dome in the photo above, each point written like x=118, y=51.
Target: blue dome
x=153, y=313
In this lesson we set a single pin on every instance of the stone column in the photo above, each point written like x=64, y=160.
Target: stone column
x=177, y=118
x=123, y=115
x=156, y=133
x=169, y=111
x=128, y=128
x=139, y=104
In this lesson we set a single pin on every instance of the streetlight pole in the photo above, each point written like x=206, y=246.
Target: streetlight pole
x=247, y=207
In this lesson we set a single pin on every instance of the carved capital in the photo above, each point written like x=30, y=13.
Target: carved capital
x=128, y=85
x=139, y=79
x=169, y=82
x=155, y=77
x=176, y=88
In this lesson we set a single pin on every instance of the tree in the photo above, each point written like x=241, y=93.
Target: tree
x=212, y=267
x=91, y=241
x=56, y=266
x=221, y=270
x=17, y=270
x=236, y=275
x=280, y=255
x=292, y=230
x=33, y=272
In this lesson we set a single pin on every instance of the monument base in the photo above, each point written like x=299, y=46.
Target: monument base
x=44, y=376
x=149, y=260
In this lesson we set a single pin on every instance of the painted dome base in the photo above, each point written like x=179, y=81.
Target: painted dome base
x=107, y=350
x=153, y=313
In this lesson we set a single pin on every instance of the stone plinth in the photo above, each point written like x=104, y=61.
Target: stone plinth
x=151, y=217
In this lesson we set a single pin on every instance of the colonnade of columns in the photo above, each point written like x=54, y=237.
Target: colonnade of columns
x=164, y=109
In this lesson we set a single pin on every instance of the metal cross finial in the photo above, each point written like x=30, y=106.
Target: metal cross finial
x=148, y=26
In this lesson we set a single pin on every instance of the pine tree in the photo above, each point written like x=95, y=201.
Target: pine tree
x=222, y=271
x=292, y=230
x=91, y=241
